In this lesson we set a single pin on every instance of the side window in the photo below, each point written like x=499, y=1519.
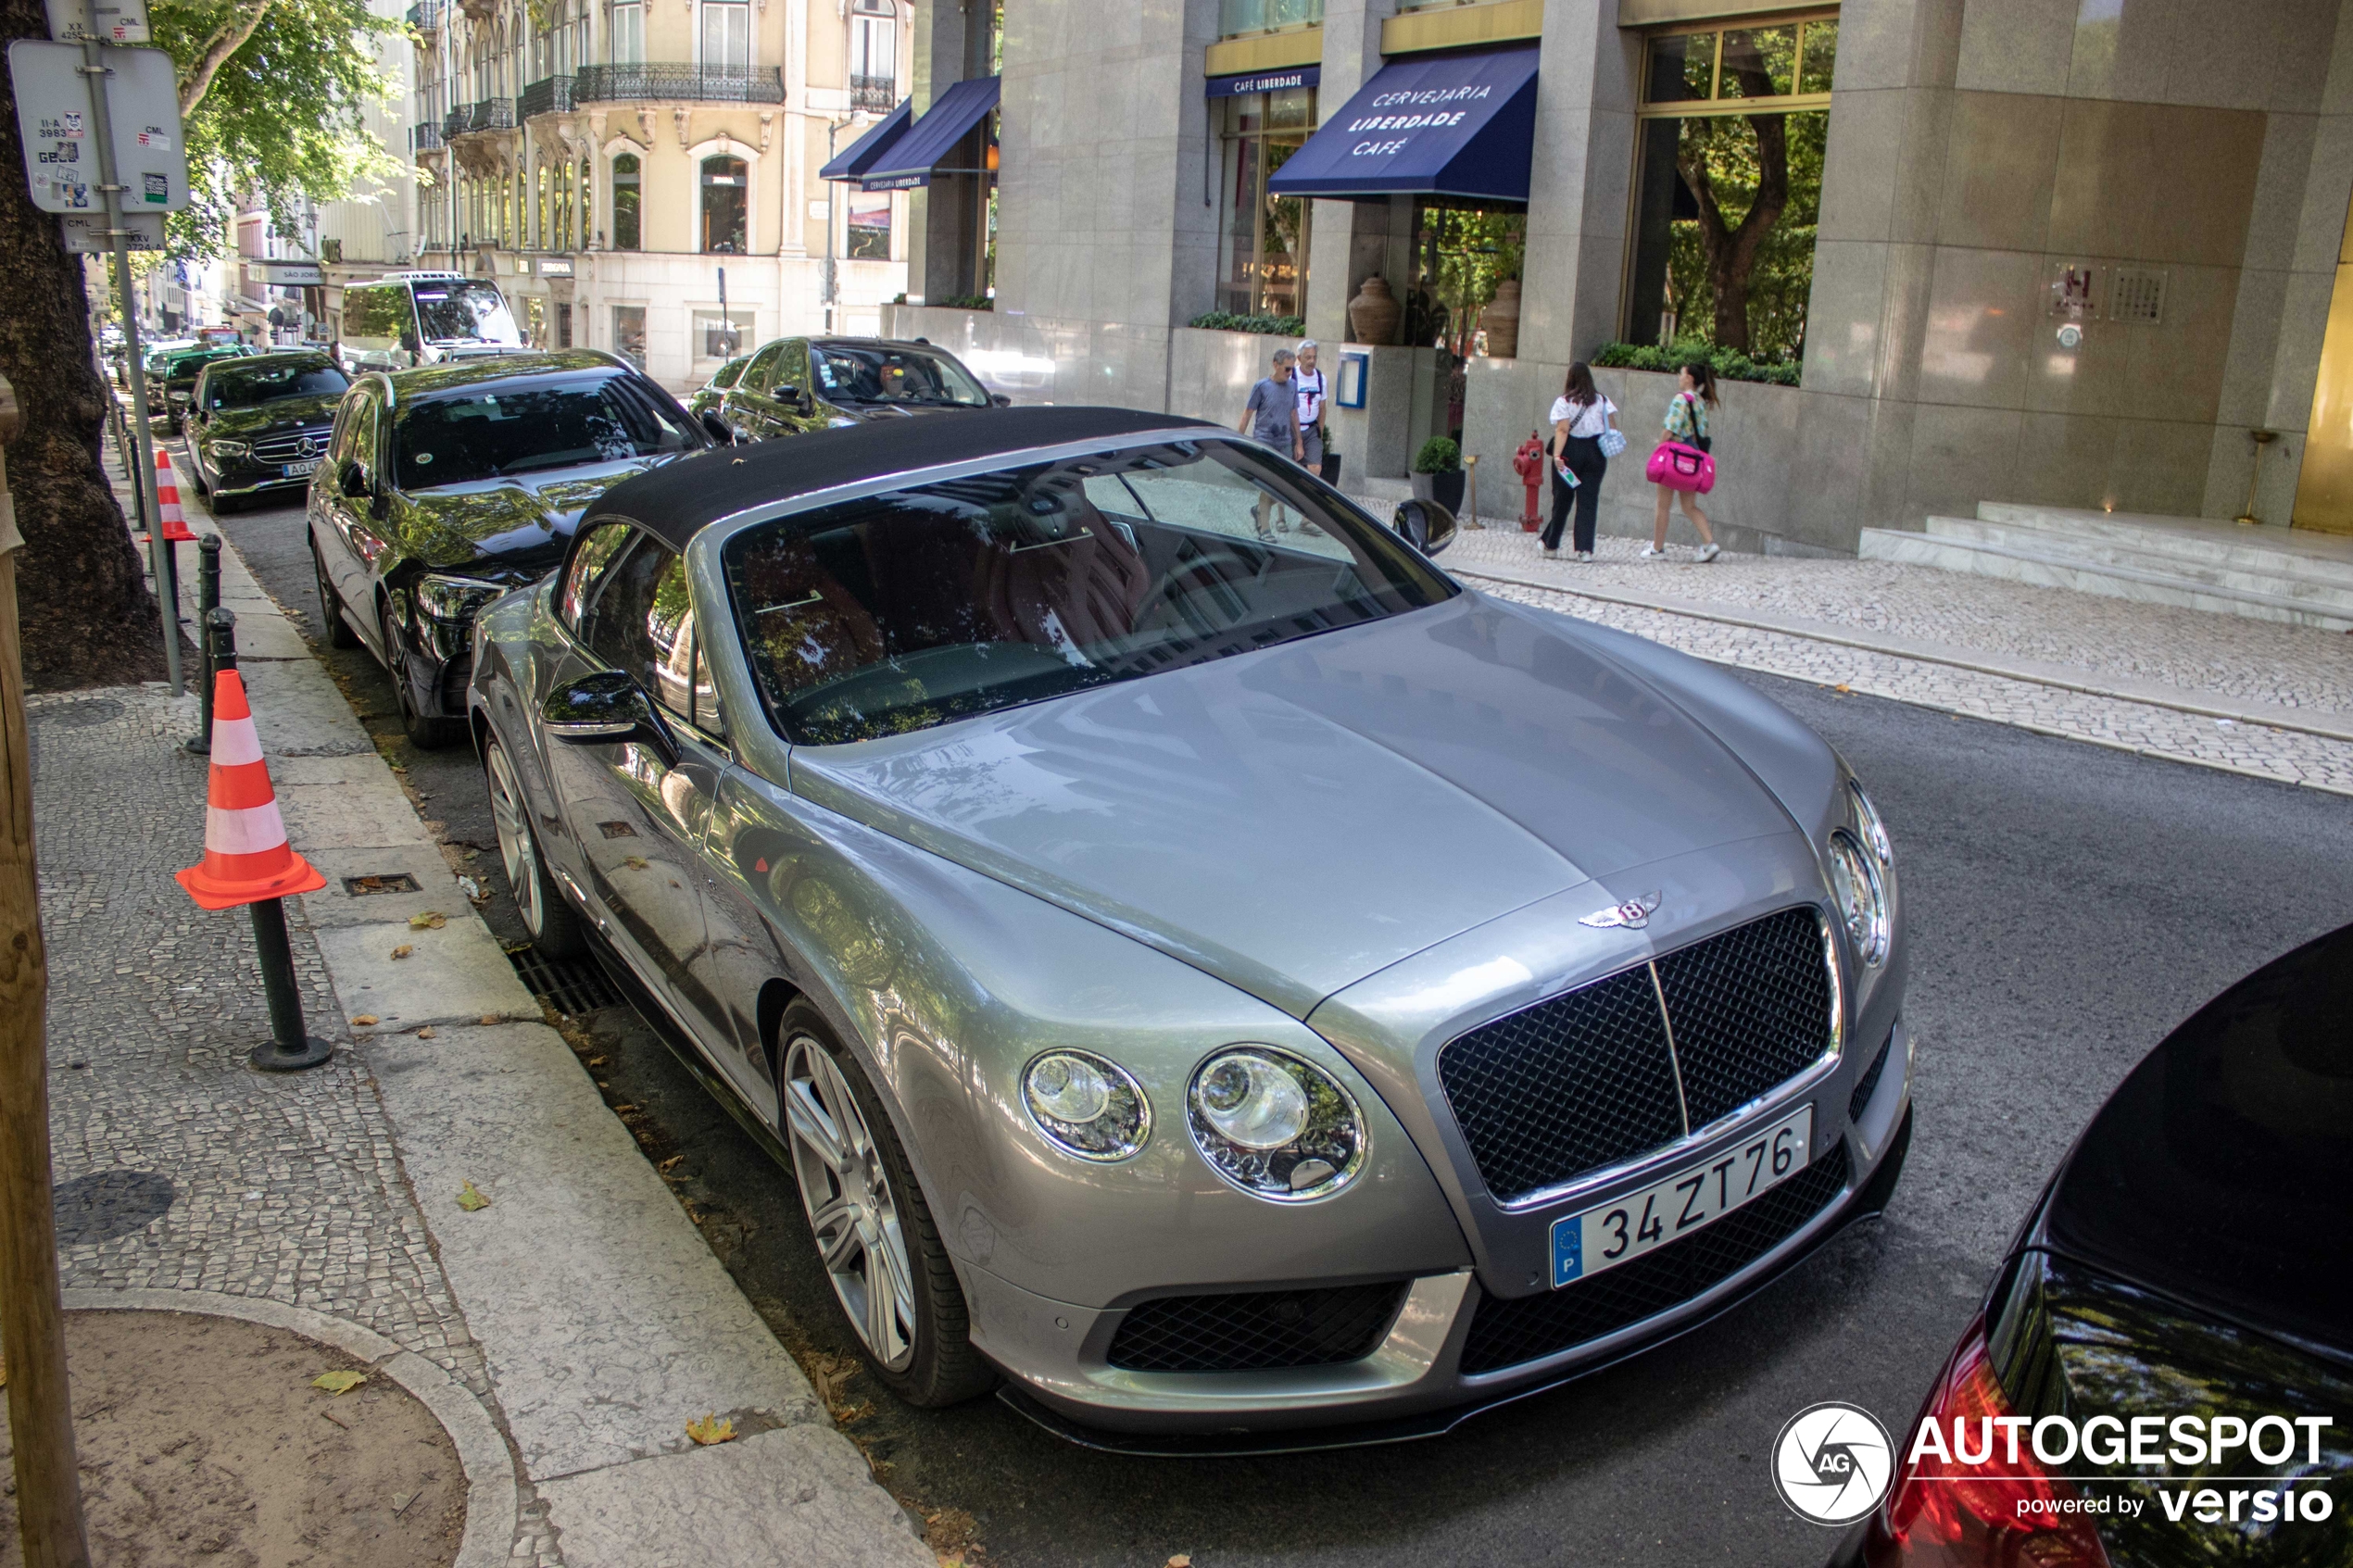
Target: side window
x=628, y=606
x=356, y=434
x=670, y=634
x=756, y=374
x=792, y=369
x=588, y=563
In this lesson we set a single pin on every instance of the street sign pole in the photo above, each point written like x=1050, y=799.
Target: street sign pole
x=101, y=123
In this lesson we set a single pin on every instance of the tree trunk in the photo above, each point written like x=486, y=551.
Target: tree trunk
x=88, y=616
x=1731, y=251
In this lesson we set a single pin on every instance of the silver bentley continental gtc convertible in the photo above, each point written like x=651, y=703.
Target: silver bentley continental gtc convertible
x=1202, y=967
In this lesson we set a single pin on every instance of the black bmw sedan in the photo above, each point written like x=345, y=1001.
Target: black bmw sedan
x=448, y=485
x=261, y=423
x=2163, y=1372
x=802, y=384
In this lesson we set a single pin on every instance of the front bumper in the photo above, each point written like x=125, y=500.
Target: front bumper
x=1413, y=1384
x=239, y=478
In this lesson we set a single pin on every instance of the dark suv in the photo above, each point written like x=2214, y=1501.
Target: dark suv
x=801, y=384
x=448, y=485
x=261, y=422
x=171, y=379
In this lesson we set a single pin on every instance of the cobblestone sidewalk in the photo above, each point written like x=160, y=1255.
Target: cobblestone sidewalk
x=2159, y=655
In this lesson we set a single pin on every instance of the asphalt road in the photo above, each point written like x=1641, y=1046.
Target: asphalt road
x=2067, y=906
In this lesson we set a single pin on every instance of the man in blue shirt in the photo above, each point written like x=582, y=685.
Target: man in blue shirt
x=1271, y=417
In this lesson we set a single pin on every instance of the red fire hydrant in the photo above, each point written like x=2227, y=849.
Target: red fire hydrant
x=1529, y=463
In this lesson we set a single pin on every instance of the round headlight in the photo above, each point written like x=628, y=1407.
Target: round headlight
x=1274, y=1125
x=1088, y=1106
x=1862, y=902
x=1868, y=822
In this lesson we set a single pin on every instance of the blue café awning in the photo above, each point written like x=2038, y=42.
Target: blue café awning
x=864, y=153
x=909, y=161
x=1453, y=125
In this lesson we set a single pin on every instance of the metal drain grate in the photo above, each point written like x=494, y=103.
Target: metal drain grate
x=570, y=986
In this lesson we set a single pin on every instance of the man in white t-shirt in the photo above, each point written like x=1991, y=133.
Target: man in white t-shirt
x=1309, y=382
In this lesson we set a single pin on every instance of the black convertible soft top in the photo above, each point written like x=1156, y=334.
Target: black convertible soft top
x=679, y=499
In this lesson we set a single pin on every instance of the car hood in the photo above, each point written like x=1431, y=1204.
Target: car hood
x=267, y=419
x=868, y=413
x=1296, y=819
x=520, y=524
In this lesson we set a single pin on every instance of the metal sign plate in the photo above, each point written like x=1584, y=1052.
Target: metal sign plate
x=118, y=21
x=87, y=237
x=59, y=133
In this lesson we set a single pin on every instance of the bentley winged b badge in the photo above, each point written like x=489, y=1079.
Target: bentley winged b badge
x=1633, y=914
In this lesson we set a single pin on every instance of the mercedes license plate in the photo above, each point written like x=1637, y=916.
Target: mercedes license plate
x=298, y=470
x=1584, y=1245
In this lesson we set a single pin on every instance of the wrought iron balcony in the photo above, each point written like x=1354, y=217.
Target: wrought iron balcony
x=551, y=94
x=626, y=84
x=491, y=113
x=424, y=138
x=425, y=16
x=879, y=93
x=454, y=123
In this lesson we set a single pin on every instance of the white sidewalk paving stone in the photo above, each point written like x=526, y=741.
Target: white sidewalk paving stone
x=454, y=974
x=607, y=1322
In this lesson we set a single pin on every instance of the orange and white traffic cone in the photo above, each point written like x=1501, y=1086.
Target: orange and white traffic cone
x=175, y=523
x=248, y=862
x=246, y=857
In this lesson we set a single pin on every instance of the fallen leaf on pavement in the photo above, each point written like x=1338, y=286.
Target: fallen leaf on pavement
x=470, y=1200
x=363, y=1019
x=670, y=1164
x=634, y=862
x=426, y=1033
x=1843, y=689
x=432, y=920
x=490, y=1018
x=596, y=1061
x=1182, y=1559
x=712, y=1428
x=339, y=1382
x=403, y=950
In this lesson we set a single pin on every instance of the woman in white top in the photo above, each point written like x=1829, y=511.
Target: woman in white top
x=1309, y=382
x=1580, y=415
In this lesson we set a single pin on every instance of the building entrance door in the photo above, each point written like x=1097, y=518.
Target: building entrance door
x=2324, y=488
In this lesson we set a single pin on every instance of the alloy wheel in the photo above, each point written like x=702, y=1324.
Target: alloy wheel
x=517, y=851
x=845, y=1188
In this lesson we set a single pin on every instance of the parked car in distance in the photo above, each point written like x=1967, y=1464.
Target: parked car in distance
x=796, y=385
x=1196, y=959
x=218, y=334
x=261, y=422
x=172, y=379
x=2190, y=1262
x=446, y=486
x=710, y=398
x=403, y=320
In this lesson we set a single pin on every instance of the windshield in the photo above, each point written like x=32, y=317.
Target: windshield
x=465, y=312
x=893, y=376
x=186, y=366
x=524, y=427
x=898, y=612
x=246, y=387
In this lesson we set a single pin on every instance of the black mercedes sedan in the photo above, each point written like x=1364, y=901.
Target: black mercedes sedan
x=802, y=384
x=261, y=422
x=2163, y=1372
x=448, y=485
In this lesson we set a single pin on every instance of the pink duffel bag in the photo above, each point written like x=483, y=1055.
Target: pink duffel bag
x=1679, y=467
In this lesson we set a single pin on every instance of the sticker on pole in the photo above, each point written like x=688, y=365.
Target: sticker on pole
x=118, y=21
x=56, y=121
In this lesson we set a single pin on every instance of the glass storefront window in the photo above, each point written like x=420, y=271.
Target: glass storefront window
x=724, y=187
x=1729, y=182
x=629, y=334
x=1261, y=15
x=1262, y=239
x=721, y=337
x=624, y=202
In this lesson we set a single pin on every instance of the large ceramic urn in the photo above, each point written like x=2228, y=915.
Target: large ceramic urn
x=1373, y=314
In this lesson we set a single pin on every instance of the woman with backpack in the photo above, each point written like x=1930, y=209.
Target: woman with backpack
x=1686, y=426
x=1584, y=433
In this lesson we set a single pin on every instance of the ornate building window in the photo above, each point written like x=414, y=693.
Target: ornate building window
x=629, y=33
x=625, y=194
x=725, y=208
x=727, y=38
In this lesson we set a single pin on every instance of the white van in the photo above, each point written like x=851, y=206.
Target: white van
x=405, y=318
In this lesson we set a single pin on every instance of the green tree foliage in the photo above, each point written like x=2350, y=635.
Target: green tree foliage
x=1741, y=273
x=272, y=93
x=1476, y=251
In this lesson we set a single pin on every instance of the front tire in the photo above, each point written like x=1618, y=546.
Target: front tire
x=553, y=927
x=874, y=1233
x=424, y=734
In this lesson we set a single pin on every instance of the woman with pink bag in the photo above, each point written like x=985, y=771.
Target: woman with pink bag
x=1680, y=465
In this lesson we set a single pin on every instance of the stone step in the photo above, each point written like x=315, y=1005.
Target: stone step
x=2055, y=568
x=2326, y=556
x=2253, y=572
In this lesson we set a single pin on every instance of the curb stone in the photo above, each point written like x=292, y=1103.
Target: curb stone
x=493, y=1494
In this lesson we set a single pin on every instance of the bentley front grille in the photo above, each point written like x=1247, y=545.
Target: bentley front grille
x=1255, y=1330
x=1616, y=1068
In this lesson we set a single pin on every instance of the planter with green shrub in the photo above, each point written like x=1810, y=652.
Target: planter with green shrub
x=1730, y=364
x=1272, y=326
x=1438, y=472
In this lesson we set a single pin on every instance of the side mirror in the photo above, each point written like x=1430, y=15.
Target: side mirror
x=787, y=395
x=606, y=708
x=717, y=427
x=1425, y=525
x=999, y=400
x=352, y=479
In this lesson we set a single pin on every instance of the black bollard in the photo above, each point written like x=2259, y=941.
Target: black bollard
x=290, y=1048
x=208, y=600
